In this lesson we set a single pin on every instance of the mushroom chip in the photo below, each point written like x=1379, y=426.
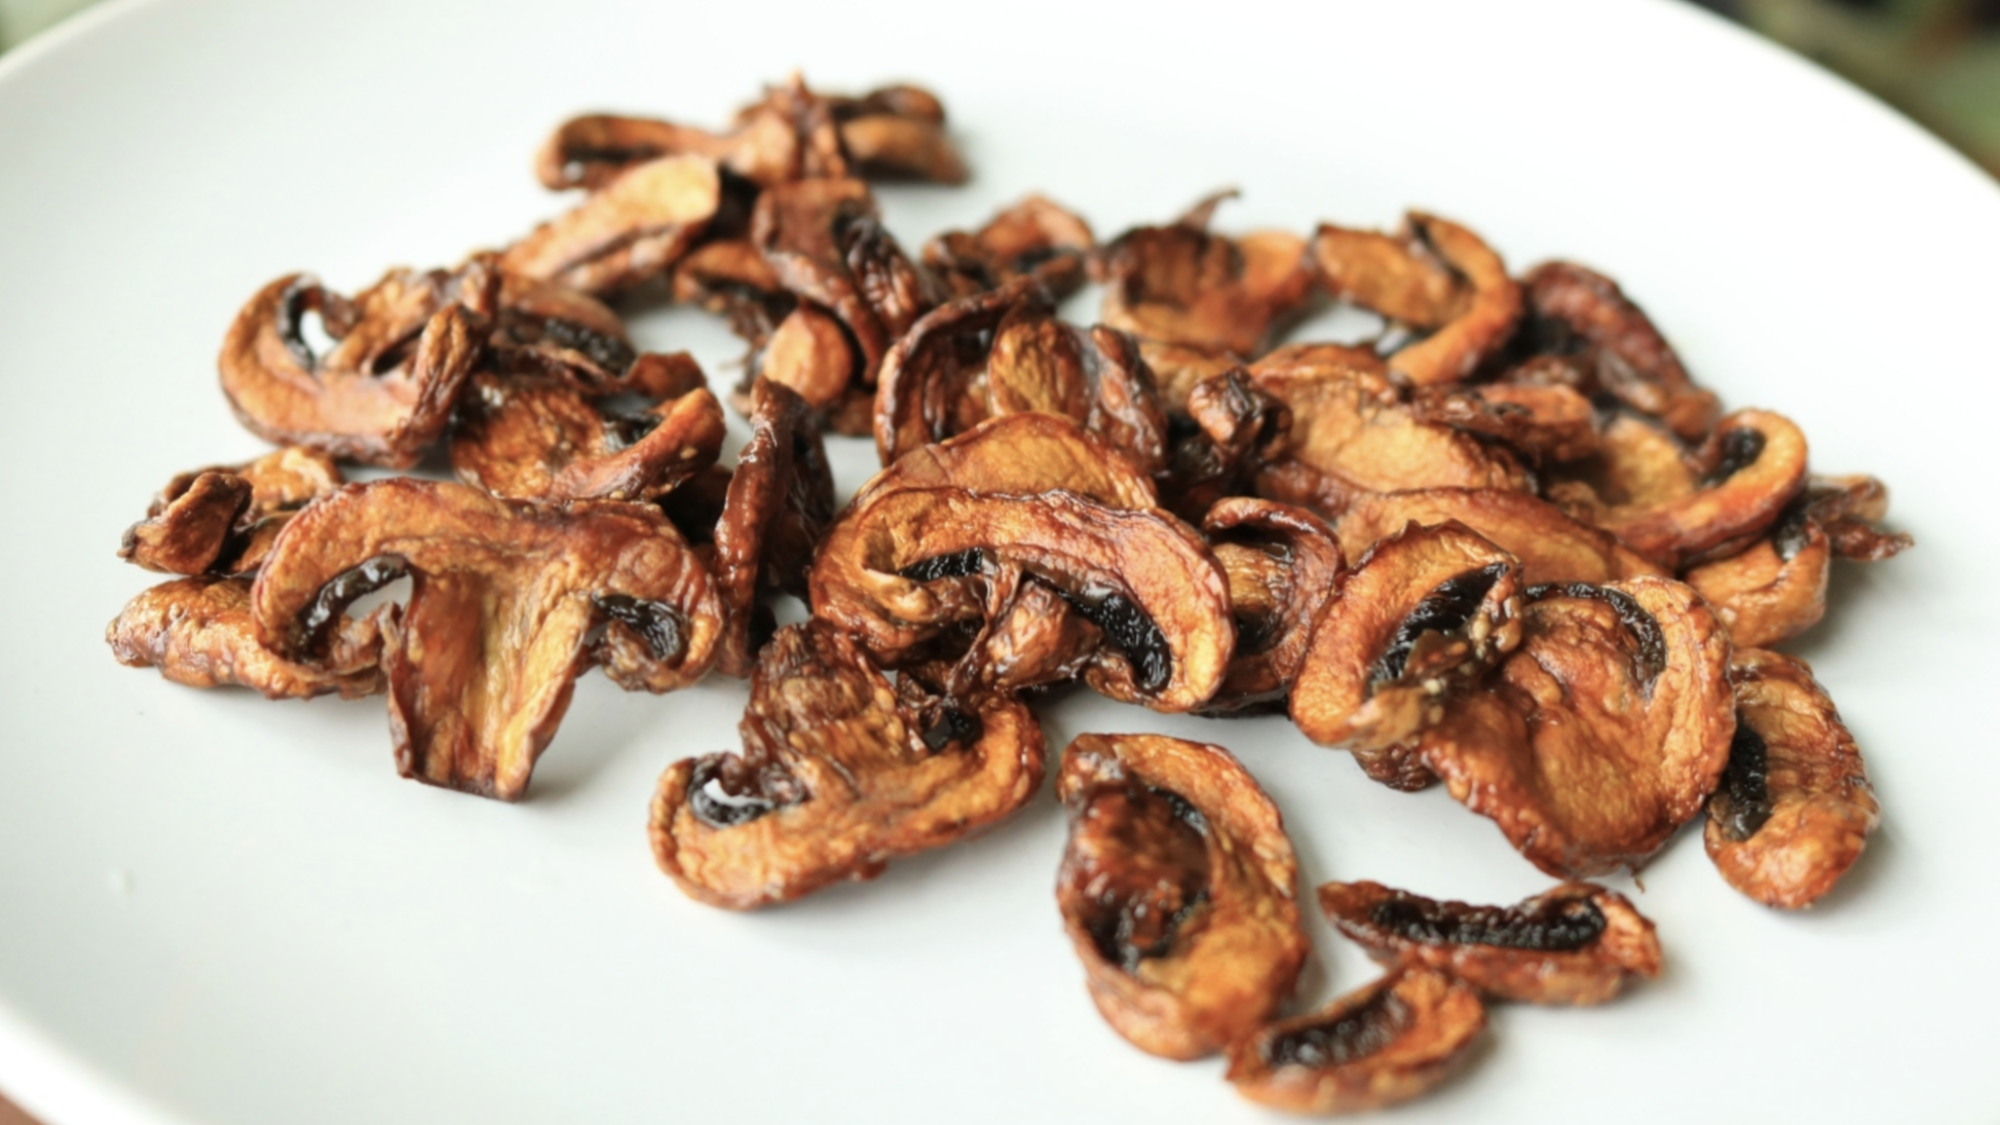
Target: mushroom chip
x=223, y=518
x=1421, y=616
x=1283, y=564
x=1178, y=891
x=1035, y=238
x=631, y=231
x=1020, y=455
x=839, y=772
x=1550, y=546
x=1795, y=807
x=1576, y=944
x=509, y=601
x=539, y=439
x=1602, y=733
x=1383, y=1043
x=198, y=632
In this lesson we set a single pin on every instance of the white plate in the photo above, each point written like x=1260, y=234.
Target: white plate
x=217, y=909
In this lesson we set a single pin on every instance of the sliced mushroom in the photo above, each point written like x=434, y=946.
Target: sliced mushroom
x=1550, y=546
x=198, y=631
x=538, y=439
x=1435, y=276
x=894, y=573
x=810, y=354
x=1602, y=733
x=1776, y=588
x=630, y=232
x=1020, y=455
x=1036, y=238
x=1004, y=352
x=1283, y=564
x=780, y=499
x=1238, y=430
x=839, y=772
x=1540, y=423
x=1182, y=284
x=1179, y=368
x=1736, y=487
x=1576, y=944
x=1384, y=1043
x=506, y=604
x=1848, y=508
x=731, y=278
x=1795, y=807
x=1178, y=889
x=1582, y=317
x=222, y=519
x=1421, y=617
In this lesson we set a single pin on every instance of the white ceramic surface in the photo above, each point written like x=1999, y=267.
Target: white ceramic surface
x=217, y=909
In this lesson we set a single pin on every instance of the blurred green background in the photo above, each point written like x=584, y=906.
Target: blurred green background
x=1936, y=60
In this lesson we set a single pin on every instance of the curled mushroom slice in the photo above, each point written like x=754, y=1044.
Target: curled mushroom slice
x=1020, y=455
x=1774, y=589
x=382, y=393
x=1740, y=480
x=1386, y=1042
x=1602, y=733
x=538, y=439
x=631, y=231
x=198, y=631
x=1283, y=564
x=1421, y=616
x=1352, y=434
x=222, y=519
x=839, y=772
x=1183, y=284
x=1435, y=276
x=1178, y=891
x=1848, y=509
x=1576, y=944
x=1550, y=546
x=1541, y=423
x=894, y=573
x=1036, y=238
x=1577, y=315
x=509, y=601
x=780, y=498
x=1795, y=807
x=1238, y=429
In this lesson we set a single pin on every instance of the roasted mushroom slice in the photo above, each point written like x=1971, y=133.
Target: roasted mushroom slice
x=1237, y=430
x=1540, y=423
x=893, y=572
x=1182, y=284
x=730, y=277
x=383, y=393
x=223, y=518
x=631, y=231
x=1436, y=277
x=1283, y=564
x=1795, y=807
x=1848, y=508
x=779, y=501
x=1178, y=889
x=1776, y=588
x=1583, y=318
x=1035, y=238
x=197, y=631
x=1602, y=733
x=1351, y=434
x=1384, y=1043
x=509, y=601
x=1020, y=455
x=538, y=439
x=839, y=773
x=1576, y=944
x=1550, y=546
x=1739, y=482
x=1004, y=352
x=1421, y=617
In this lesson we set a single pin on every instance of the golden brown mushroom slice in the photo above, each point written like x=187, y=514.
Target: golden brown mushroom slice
x=1605, y=731
x=627, y=233
x=1542, y=423
x=1795, y=807
x=1283, y=564
x=1020, y=455
x=839, y=772
x=1420, y=617
x=1178, y=889
x=1384, y=1043
x=1004, y=352
x=779, y=501
x=539, y=439
x=1435, y=276
x=222, y=519
x=1549, y=545
x=509, y=602
x=1182, y=284
x=198, y=632
x=1578, y=943
x=1351, y=434
x=1583, y=319
x=1238, y=430
x=898, y=572
x=1036, y=238
x=1732, y=491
